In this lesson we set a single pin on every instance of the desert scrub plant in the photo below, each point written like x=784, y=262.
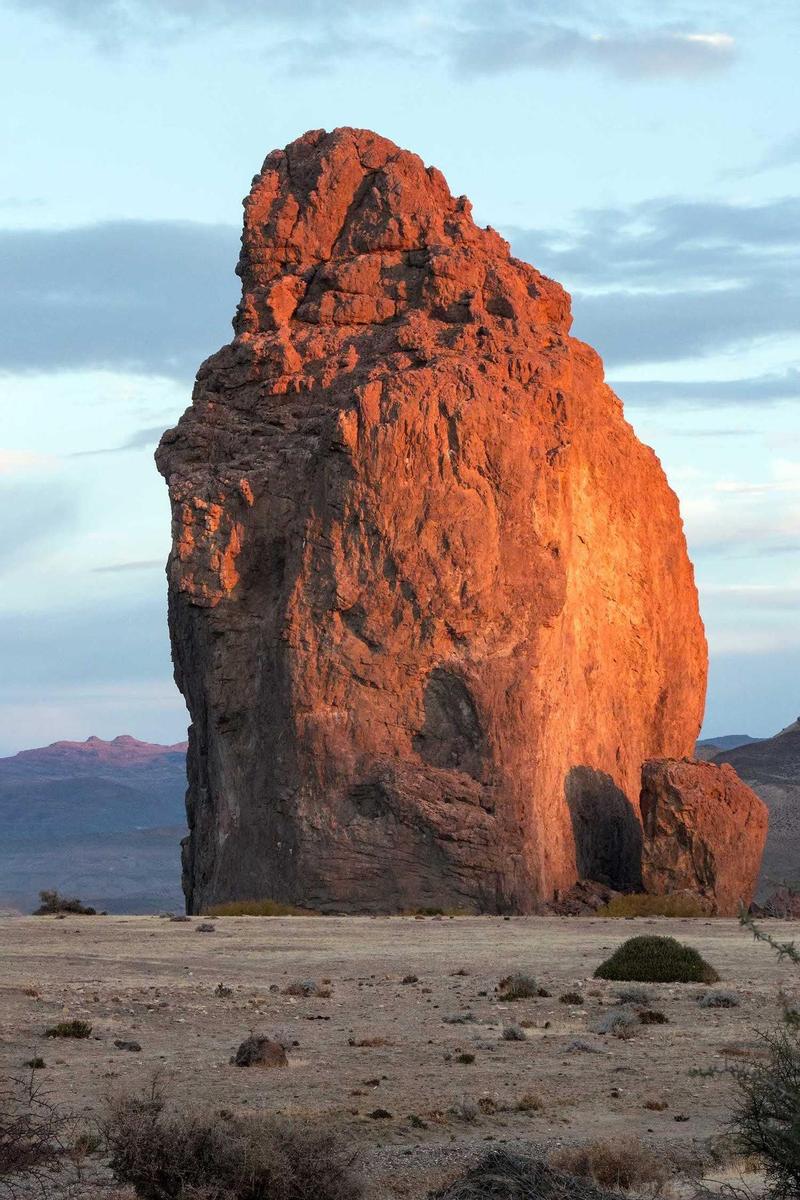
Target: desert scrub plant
x=653, y=1016
x=513, y=1033
x=766, y=1117
x=53, y=904
x=517, y=987
x=655, y=959
x=34, y=1139
x=632, y=995
x=645, y=905
x=719, y=1000
x=168, y=1155
x=69, y=1029
x=619, y=1022
x=570, y=998
x=257, y=908
x=624, y=1164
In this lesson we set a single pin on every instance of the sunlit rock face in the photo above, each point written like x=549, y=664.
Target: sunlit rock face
x=430, y=600
x=704, y=832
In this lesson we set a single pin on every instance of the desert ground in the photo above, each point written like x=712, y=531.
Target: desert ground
x=417, y=1108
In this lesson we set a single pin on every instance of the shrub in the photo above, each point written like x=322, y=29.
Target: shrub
x=465, y=1059
x=69, y=1029
x=34, y=1136
x=623, y=1163
x=503, y=1174
x=52, y=903
x=654, y=959
x=466, y=1111
x=571, y=998
x=644, y=905
x=652, y=1016
x=517, y=987
x=765, y=1120
x=257, y=908
x=171, y=1156
x=306, y=987
x=513, y=1033
x=719, y=1000
x=619, y=1022
x=632, y=995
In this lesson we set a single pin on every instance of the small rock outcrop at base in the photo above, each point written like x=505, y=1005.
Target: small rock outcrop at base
x=430, y=601
x=704, y=832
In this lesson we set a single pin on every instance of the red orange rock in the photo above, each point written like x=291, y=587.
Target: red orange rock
x=704, y=831
x=430, y=600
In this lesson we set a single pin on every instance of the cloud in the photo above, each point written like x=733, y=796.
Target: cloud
x=668, y=279
x=140, y=440
x=764, y=389
x=149, y=296
x=521, y=43
x=33, y=513
x=16, y=462
x=472, y=38
x=146, y=564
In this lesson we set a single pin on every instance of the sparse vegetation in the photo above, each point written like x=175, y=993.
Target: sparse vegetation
x=622, y=1164
x=719, y=1000
x=465, y=1059
x=765, y=1120
x=517, y=987
x=307, y=987
x=652, y=1016
x=170, y=1156
x=619, y=1022
x=257, y=908
x=571, y=998
x=503, y=1174
x=632, y=995
x=69, y=1029
x=513, y=1033
x=655, y=959
x=53, y=904
x=34, y=1139
x=644, y=905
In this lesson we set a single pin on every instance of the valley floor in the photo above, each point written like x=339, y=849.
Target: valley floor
x=153, y=981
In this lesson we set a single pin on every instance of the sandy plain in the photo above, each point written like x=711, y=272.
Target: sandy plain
x=154, y=981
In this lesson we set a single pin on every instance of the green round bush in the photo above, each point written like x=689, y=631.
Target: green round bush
x=654, y=959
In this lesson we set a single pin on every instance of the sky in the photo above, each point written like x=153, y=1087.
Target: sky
x=645, y=155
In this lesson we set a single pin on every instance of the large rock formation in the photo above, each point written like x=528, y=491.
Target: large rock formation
x=704, y=831
x=430, y=601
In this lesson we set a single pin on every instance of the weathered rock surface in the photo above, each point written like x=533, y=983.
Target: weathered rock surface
x=704, y=831
x=430, y=601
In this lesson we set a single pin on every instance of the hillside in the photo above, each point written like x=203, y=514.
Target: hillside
x=772, y=768
x=102, y=820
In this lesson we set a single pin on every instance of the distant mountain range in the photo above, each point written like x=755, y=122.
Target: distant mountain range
x=103, y=820
x=95, y=819
x=771, y=766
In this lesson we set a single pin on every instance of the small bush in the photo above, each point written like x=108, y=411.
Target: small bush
x=34, y=1138
x=513, y=1033
x=621, y=1164
x=619, y=1022
x=765, y=1120
x=465, y=1059
x=171, y=1156
x=719, y=1000
x=307, y=987
x=260, y=1052
x=654, y=959
x=36, y=1064
x=652, y=1016
x=257, y=908
x=52, y=904
x=505, y=1175
x=571, y=998
x=529, y=1102
x=632, y=995
x=643, y=905
x=517, y=987
x=466, y=1111
x=69, y=1029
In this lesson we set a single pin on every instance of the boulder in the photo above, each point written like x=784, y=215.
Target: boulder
x=704, y=832
x=429, y=597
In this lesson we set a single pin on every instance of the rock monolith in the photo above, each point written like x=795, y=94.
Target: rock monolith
x=430, y=601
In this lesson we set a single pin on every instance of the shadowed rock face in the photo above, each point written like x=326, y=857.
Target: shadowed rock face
x=422, y=570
